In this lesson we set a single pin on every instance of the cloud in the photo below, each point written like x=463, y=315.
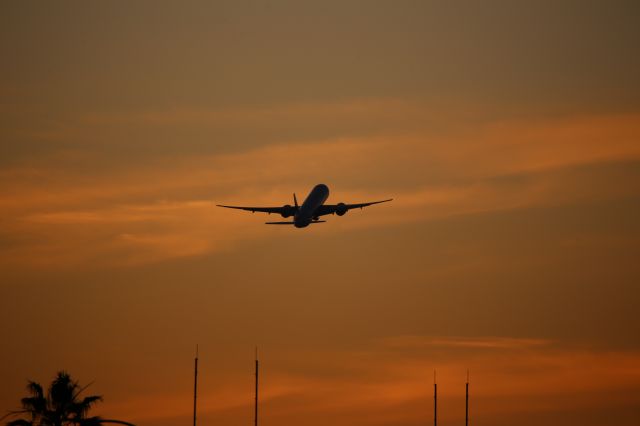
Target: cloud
x=390, y=380
x=462, y=342
x=59, y=215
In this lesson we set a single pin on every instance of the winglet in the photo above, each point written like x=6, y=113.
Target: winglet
x=295, y=200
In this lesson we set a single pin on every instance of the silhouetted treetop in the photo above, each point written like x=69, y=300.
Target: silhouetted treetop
x=61, y=406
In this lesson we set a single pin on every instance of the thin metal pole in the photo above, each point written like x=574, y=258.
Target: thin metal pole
x=195, y=387
x=435, y=400
x=256, y=398
x=466, y=414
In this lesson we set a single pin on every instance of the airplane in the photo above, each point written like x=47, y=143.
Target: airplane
x=311, y=209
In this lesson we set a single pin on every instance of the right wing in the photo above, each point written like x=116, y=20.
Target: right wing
x=269, y=210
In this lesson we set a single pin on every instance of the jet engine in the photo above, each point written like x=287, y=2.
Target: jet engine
x=341, y=209
x=287, y=210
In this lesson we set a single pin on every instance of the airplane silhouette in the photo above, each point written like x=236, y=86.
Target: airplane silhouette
x=311, y=209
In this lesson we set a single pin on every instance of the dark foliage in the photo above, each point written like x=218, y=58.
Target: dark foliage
x=61, y=406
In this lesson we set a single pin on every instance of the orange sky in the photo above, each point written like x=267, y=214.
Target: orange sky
x=508, y=136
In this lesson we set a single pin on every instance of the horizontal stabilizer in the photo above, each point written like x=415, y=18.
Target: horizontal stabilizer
x=291, y=223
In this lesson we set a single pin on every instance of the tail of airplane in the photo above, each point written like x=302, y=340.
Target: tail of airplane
x=297, y=207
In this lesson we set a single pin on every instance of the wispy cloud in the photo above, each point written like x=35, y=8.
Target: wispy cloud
x=166, y=209
x=375, y=382
x=464, y=342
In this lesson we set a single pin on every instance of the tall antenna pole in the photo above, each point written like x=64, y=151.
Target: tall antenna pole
x=435, y=400
x=256, y=400
x=195, y=386
x=466, y=414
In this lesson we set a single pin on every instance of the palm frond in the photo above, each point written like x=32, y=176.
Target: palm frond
x=34, y=403
x=82, y=389
x=61, y=392
x=12, y=413
x=90, y=421
x=35, y=389
x=90, y=400
x=19, y=422
x=119, y=422
x=81, y=408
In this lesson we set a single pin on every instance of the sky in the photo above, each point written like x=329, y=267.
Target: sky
x=508, y=134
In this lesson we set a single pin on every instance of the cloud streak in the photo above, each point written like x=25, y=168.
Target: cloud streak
x=391, y=380
x=166, y=210
x=460, y=342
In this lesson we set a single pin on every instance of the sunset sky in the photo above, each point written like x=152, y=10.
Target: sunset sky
x=507, y=132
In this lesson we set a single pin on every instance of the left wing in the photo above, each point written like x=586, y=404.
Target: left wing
x=342, y=208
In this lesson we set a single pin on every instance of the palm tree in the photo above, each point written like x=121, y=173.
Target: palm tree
x=62, y=406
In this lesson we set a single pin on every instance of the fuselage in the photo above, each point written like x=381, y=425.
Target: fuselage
x=306, y=213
